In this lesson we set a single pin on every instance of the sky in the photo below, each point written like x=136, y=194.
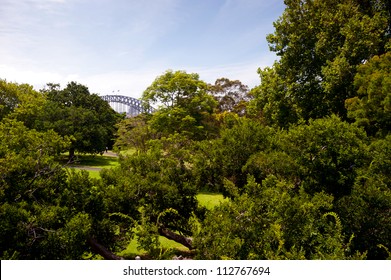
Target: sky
x=121, y=46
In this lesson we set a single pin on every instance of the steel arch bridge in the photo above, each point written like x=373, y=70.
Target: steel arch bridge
x=125, y=104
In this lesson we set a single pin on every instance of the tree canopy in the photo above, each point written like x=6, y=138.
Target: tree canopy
x=320, y=45
x=85, y=117
x=185, y=104
x=302, y=160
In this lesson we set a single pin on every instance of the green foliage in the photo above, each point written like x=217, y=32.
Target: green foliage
x=320, y=44
x=366, y=211
x=174, y=89
x=322, y=156
x=133, y=133
x=277, y=221
x=26, y=161
x=232, y=96
x=293, y=179
x=155, y=187
x=380, y=166
x=76, y=113
x=226, y=156
x=20, y=101
x=8, y=98
x=371, y=108
x=45, y=212
x=328, y=153
x=273, y=100
x=185, y=105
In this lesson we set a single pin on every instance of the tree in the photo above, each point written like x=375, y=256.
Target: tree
x=133, y=133
x=47, y=212
x=20, y=101
x=185, y=106
x=237, y=145
x=85, y=117
x=371, y=108
x=273, y=101
x=320, y=44
x=232, y=96
x=365, y=213
x=225, y=157
x=26, y=159
x=324, y=155
x=174, y=89
x=28, y=181
x=8, y=98
x=273, y=220
x=157, y=185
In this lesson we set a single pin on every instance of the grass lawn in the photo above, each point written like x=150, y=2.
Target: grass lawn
x=95, y=162
x=131, y=250
x=210, y=200
x=94, y=173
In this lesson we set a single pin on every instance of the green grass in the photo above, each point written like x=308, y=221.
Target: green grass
x=131, y=250
x=94, y=174
x=97, y=161
x=210, y=200
x=91, y=160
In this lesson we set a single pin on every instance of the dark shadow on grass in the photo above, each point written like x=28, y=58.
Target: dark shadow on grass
x=91, y=160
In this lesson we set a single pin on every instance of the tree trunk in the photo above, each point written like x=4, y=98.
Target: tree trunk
x=71, y=154
x=185, y=241
x=101, y=250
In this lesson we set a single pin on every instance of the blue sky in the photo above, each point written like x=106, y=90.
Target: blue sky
x=123, y=45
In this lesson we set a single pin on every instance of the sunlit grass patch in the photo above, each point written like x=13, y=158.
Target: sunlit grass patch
x=210, y=200
x=94, y=174
x=132, y=250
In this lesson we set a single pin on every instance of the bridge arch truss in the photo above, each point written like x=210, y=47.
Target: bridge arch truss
x=125, y=104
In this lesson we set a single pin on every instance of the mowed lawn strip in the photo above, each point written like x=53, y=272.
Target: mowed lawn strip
x=91, y=163
x=210, y=200
x=96, y=161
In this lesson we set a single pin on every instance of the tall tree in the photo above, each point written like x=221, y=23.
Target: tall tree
x=320, y=44
x=73, y=111
x=185, y=106
x=272, y=100
x=8, y=98
x=133, y=133
x=20, y=101
x=232, y=96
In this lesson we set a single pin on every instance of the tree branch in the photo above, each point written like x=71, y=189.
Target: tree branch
x=185, y=241
x=101, y=250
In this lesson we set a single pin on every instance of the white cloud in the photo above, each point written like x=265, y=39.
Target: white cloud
x=129, y=83
x=125, y=44
x=38, y=79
